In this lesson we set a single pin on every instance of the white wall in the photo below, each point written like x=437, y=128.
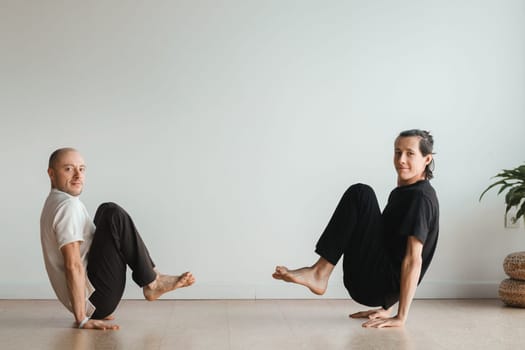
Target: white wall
x=229, y=129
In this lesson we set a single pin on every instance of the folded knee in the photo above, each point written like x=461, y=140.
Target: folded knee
x=106, y=211
x=359, y=188
x=109, y=207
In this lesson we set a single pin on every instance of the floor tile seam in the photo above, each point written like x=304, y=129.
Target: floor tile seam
x=227, y=309
x=166, y=324
x=294, y=335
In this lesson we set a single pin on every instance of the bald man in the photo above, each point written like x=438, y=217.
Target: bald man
x=86, y=260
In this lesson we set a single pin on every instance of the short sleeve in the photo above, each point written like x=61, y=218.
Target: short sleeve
x=68, y=225
x=418, y=221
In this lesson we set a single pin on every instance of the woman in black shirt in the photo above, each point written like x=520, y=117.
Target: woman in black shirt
x=385, y=255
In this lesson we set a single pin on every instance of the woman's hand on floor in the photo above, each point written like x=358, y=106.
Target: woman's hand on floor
x=384, y=323
x=372, y=314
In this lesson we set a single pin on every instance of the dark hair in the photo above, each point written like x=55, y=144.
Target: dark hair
x=56, y=155
x=426, y=146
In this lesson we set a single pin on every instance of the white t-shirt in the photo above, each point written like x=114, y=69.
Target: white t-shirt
x=65, y=220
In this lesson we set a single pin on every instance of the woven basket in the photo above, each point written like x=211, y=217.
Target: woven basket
x=512, y=292
x=514, y=265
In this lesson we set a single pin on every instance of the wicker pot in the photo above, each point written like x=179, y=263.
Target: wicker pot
x=514, y=265
x=512, y=292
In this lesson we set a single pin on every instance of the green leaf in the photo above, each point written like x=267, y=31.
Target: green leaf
x=504, y=187
x=511, y=198
x=491, y=186
x=520, y=212
x=512, y=181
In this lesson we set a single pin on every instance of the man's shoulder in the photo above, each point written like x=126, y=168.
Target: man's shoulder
x=60, y=197
x=58, y=201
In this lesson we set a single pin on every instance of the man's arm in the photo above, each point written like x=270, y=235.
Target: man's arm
x=76, y=279
x=410, y=272
x=76, y=285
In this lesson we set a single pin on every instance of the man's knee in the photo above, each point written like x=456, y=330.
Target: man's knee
x=110, y=208
x=107, y=211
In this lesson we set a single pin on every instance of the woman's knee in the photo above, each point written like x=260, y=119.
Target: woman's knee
x=360, y=189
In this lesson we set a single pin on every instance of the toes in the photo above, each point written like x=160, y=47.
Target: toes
x=283, y=269
x=186, y=279
x=281, y=272
x=186, y=276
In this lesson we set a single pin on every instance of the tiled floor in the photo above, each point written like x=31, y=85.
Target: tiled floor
x=264, y=324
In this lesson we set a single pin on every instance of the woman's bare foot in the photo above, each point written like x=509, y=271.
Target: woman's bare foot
x=167, y=283
x=314, y=278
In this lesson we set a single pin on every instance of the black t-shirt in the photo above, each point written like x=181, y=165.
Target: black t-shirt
x=412, y=210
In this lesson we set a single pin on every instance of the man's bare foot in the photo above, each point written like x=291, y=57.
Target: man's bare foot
x=167, y=283
x=306, y=276
x=372, y=314
x=100, y=324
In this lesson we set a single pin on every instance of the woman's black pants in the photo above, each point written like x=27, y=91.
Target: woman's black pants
x=356, y=232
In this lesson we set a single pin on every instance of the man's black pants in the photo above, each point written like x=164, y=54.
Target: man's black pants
x=116, y=245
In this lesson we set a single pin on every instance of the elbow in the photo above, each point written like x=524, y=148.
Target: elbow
x=413, y=262
x=73, y=267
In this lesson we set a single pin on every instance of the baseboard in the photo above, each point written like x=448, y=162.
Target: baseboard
x=457, y=290
x=429, y=289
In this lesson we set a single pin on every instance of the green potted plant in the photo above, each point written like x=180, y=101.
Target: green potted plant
x=512, y=290
x=514, y=181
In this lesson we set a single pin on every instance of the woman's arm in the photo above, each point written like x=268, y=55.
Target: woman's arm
x=410, y=272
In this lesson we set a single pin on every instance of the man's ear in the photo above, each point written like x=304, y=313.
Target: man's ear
x=51, y=173
x=429, y=159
